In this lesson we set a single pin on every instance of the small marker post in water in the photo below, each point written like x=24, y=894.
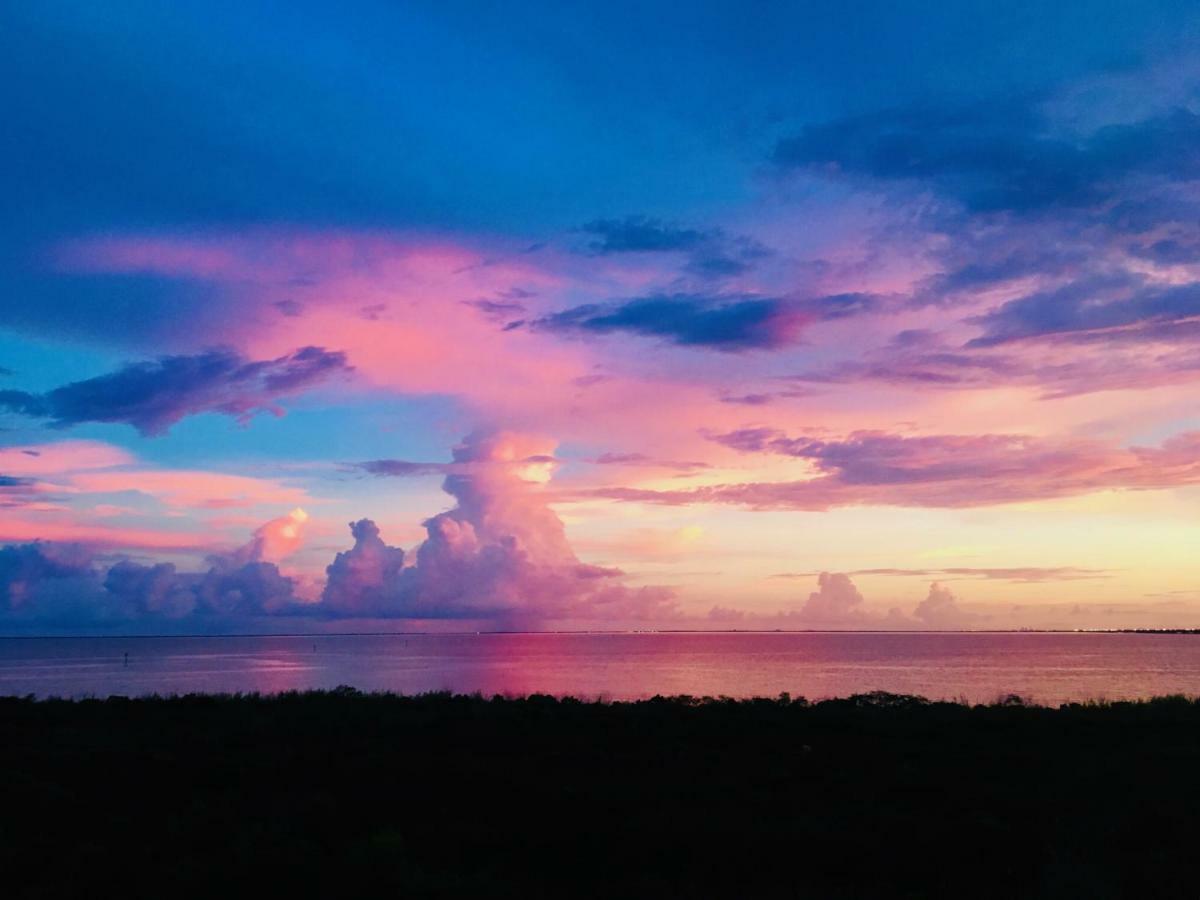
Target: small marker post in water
x=126, y=658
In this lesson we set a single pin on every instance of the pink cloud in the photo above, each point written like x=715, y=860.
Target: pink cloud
x=836, y=602
x=940, y=609
x=72, y=499
x=440, y=306
x=276, y=539
x=108, y=537
x=500, y=554
x=189, y=488
x=880, y=469
x=62, y=456
x=428, y=333
x=364, y=576
x=91, y=467
x=838, y=605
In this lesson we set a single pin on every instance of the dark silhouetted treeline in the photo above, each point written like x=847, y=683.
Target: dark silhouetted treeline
x=342, y=794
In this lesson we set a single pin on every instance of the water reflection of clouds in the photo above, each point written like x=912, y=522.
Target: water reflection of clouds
x=1050, y=668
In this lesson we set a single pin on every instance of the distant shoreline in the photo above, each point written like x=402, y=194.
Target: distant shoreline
x=328, y=634
x=861, y=700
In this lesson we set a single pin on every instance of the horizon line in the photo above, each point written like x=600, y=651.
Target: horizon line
x=601, y=632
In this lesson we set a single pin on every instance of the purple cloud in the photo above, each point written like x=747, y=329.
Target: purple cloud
x=1015, y=574
x=365, y=577
x=400, y=468
x=1086, y=231
x=498, y=309
x=1108, y=307
x=229, y=590
x=835, y=603
x=1035, y=360
x=728, y=323
x=999, y=155
x=16, y=491
x=948, y=471
x=153, y=396
x=940, y=609
x=501, y=553
x=649, y=462
x=711, y=252
x=44, y=582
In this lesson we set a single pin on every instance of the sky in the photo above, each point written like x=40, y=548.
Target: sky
x=462, y=316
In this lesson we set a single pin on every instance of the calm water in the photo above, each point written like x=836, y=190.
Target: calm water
x=1048, y=668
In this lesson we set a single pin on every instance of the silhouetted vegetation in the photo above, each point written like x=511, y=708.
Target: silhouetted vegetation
x=345, y=794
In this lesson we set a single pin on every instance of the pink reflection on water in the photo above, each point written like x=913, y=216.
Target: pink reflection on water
x=1048, y=668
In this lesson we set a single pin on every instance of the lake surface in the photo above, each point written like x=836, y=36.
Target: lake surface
x=1047, y=668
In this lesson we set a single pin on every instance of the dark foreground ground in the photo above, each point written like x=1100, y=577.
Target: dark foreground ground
x=343, y=795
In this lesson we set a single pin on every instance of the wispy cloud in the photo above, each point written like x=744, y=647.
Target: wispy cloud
x=1015, y=574
x=877, y=468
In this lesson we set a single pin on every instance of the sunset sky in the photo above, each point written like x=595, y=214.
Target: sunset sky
x=568, y=315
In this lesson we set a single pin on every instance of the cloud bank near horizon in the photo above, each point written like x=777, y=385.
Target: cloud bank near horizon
x=838, y=605
x=500, y=555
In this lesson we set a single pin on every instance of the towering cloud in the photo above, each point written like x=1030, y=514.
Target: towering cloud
x=836, y=602
x=940, y=609
x=276, y=539
x=836, y=605
x=364, y=577
x=501, y=553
